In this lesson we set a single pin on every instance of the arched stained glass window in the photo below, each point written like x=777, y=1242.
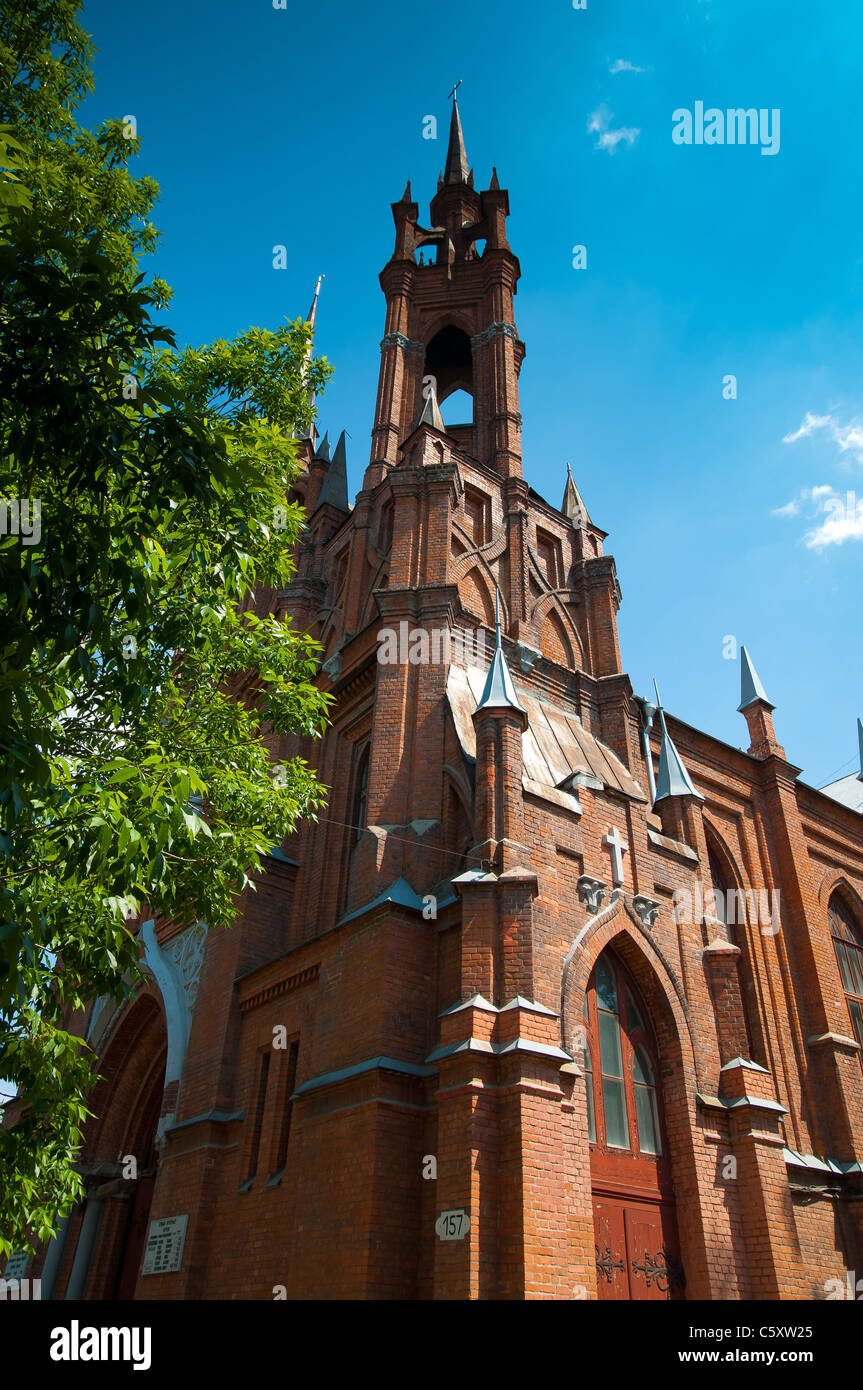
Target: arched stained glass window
x=848, y=942
x=620, y=1064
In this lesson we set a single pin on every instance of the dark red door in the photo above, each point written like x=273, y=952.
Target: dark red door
x=635, y=1230
x=134, y=1248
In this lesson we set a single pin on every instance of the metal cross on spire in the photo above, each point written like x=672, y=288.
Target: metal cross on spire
x=455, y=88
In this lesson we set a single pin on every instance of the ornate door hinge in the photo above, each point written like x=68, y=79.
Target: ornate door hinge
x=606, y=1263
x=661, y=1267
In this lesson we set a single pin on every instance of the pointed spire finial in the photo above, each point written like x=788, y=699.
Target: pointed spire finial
x=430, y=414
x=573, y=503
x=494, y=185
x=323, y=450
x=313, y=312
x=672, y=779
x=334, y=492
x=406, y=196
x=751, y=688
x=499, y=691
x=457, y=167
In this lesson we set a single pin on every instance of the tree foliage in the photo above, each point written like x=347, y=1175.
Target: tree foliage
x=140, y=687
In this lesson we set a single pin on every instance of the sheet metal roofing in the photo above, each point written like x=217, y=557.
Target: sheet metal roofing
x=554, y=744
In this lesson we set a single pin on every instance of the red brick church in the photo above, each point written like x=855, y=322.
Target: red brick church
x=561, y=998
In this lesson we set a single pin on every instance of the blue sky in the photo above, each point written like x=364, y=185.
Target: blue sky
x=299, y=126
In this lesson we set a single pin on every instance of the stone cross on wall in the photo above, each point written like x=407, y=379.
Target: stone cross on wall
x=618, y=846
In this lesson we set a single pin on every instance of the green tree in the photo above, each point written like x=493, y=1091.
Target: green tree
x=140, y=684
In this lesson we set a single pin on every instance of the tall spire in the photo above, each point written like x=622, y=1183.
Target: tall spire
x=457, y=167
x=311, y=433
x=860, y=746
x=499, y=692
x=751, y=688
x=672, y=778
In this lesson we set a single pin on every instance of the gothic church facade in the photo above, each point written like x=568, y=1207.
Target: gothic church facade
x=561, y=998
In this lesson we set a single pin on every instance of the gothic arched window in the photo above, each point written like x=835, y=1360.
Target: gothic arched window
x=848, y=941
x=723, y=903
x=361, y=786
x=719, y=885
x=620, y=1063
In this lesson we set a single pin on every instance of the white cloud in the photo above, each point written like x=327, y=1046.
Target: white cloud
x=624, y=65
x=844, y=521
x=839, y=517
x=811, y=423
x=848, y=437
x=599, y=123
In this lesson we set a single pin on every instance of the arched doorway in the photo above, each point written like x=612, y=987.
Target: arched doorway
x=131, y=1047
x=142, y=1143
x=635, y=1225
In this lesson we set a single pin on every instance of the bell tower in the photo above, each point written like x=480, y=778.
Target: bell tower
x=449, y=291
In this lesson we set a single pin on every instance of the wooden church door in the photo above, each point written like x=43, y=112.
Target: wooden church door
x=635, y=1228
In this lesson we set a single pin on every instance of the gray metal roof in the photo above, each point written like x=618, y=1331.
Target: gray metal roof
x=553, y=745
x=848, y=791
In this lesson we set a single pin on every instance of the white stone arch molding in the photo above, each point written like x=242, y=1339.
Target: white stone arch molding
x=176, y=968
x=582, y=956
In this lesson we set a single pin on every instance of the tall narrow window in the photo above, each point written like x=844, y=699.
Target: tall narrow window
x=287, y=1090
x=620, y=1065
x=848, y=942
x=588, y=1071
x=361, y=786
x=260, y=1104
x=611, y=1058
x=719, y=886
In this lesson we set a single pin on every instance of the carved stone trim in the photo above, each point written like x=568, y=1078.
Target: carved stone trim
x=647, y=909
x=406, y=344
x=591, y=891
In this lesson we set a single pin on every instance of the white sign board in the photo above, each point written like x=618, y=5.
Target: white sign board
x=17, y=1266
x=452, y=1225
x=165, y=1241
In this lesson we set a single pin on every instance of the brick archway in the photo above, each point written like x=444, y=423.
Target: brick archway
x=619, y=926
x=127, y=1102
